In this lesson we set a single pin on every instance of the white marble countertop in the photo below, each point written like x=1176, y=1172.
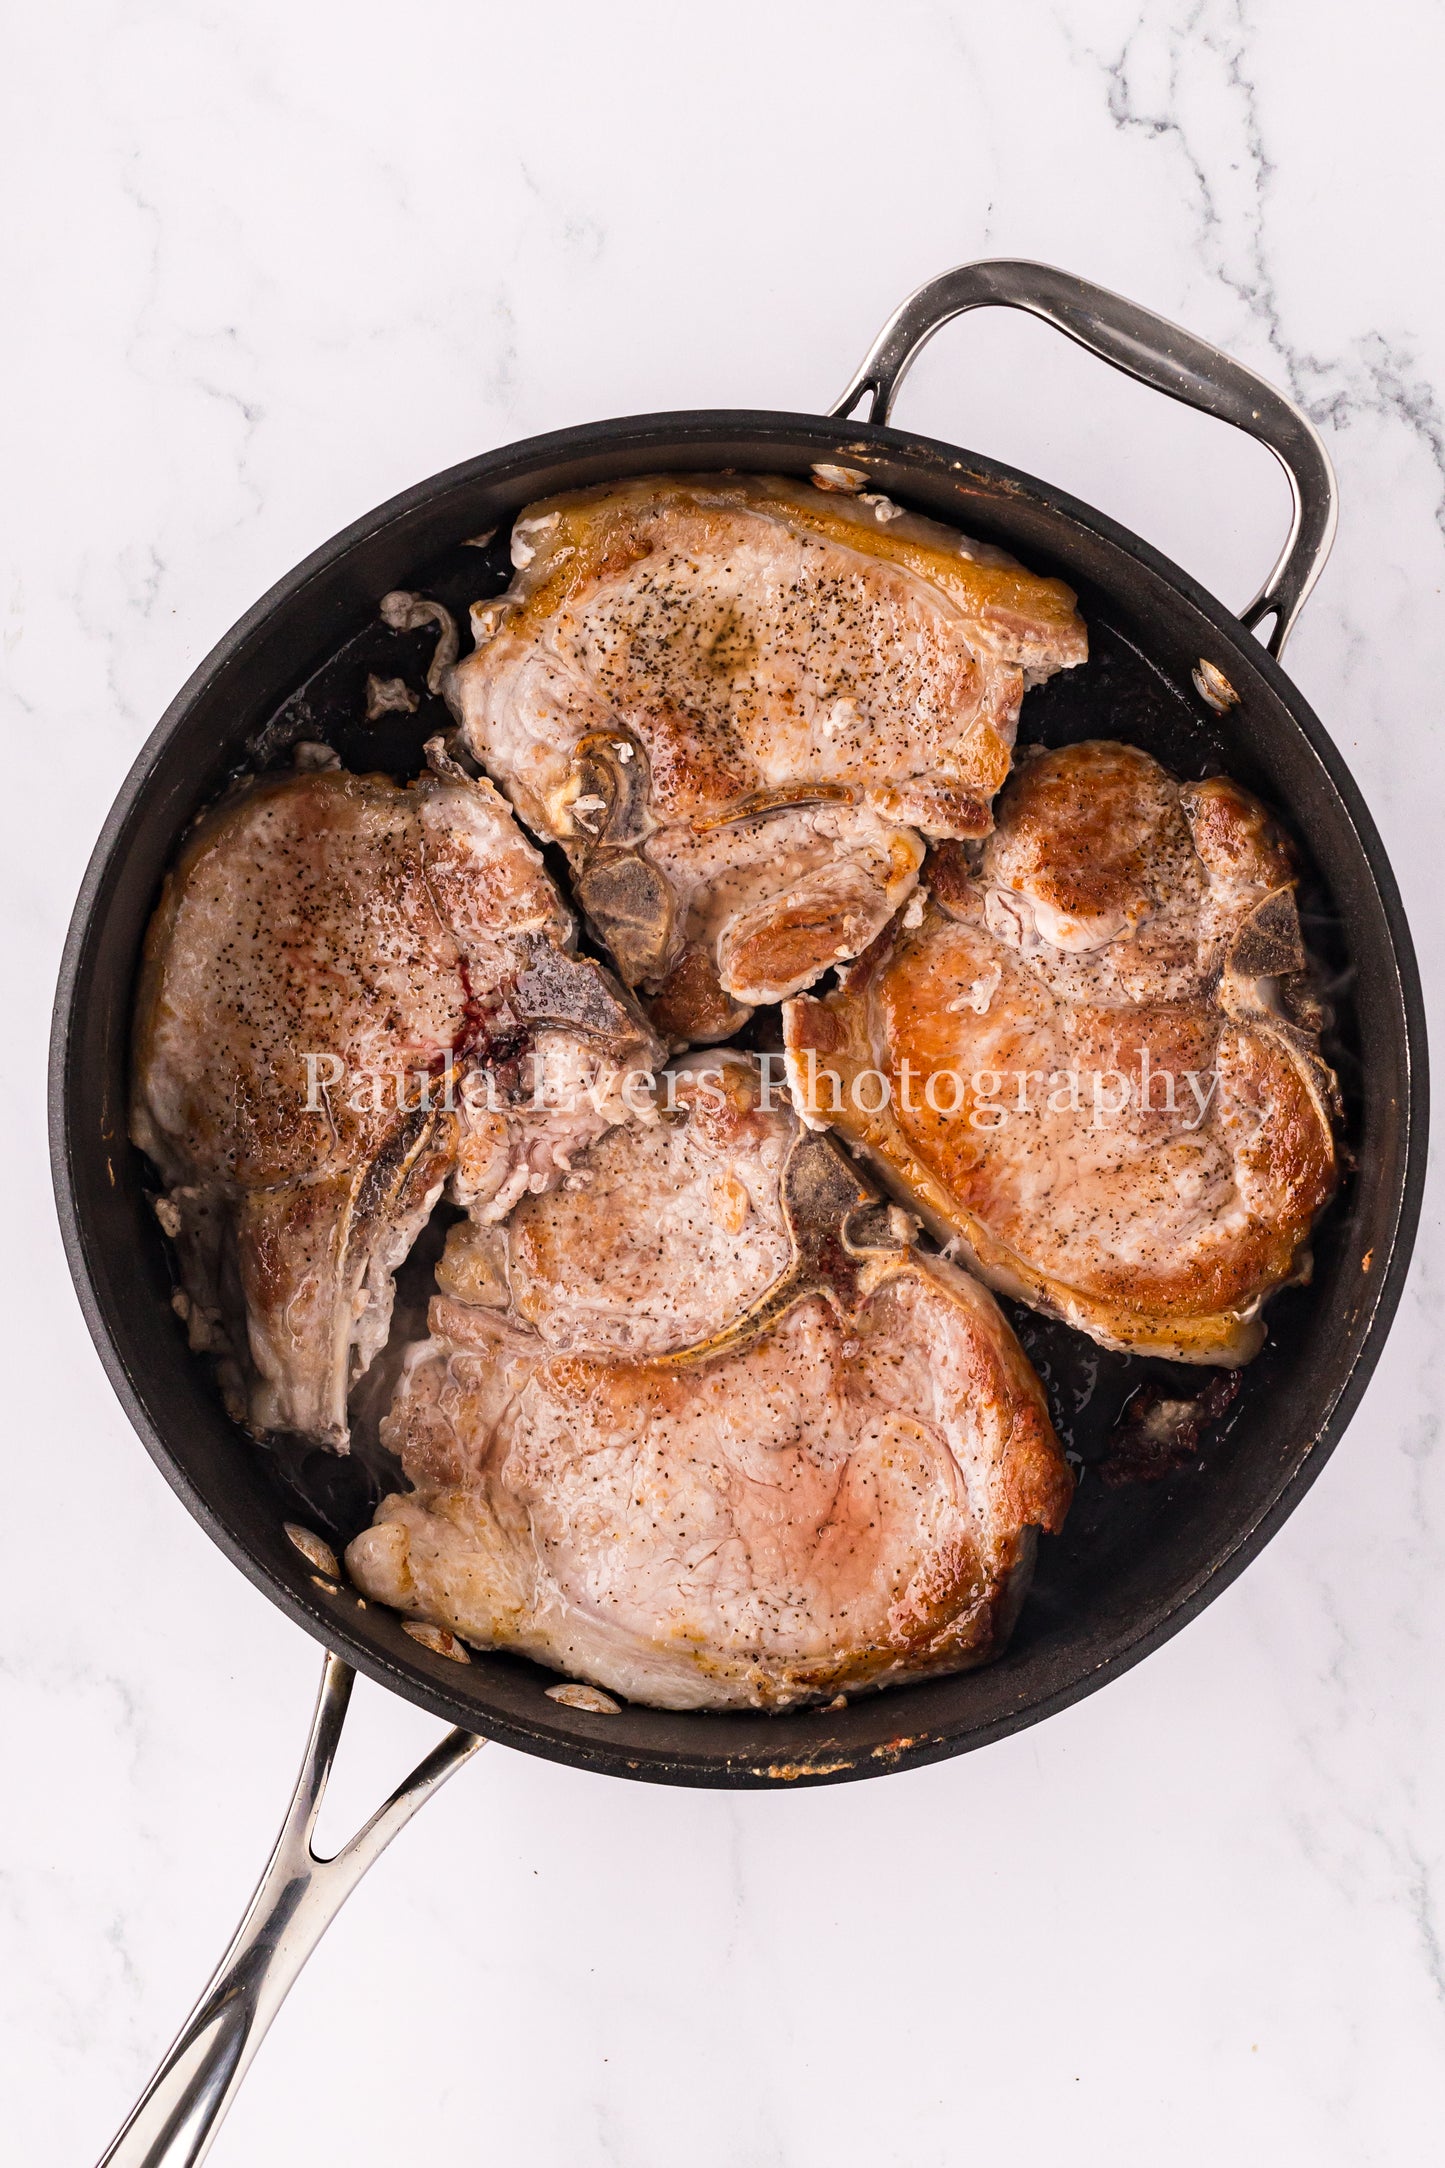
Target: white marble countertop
x=266, y=264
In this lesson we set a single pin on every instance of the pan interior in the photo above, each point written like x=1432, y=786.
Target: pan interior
x=1134, y=1561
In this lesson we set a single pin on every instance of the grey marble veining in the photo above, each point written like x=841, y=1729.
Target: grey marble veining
x=266, y=265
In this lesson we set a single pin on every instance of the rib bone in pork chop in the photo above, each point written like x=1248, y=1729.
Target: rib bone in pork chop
x=352, y=993
x=704, y=1427
x=1094, y=1057
x=739, y=703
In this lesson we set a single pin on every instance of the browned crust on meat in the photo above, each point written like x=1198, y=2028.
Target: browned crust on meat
x=1075, y=803
x=1235, y=836
x=607, y=531
x=1204, y=1307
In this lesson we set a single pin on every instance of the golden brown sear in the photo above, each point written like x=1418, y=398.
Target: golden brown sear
x=1094, y=1057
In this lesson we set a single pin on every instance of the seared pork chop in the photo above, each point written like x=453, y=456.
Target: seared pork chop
x=1093, y=1056
x=352, y=993
x=739, y=703
x=707, y=1428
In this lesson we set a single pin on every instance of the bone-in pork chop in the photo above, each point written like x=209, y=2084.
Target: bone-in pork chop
x=1094, y=1058
x=353, y=992
x=745, y=1446
x=739, y=704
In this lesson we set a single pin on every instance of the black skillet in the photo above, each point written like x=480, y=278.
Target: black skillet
x=1135, y=1563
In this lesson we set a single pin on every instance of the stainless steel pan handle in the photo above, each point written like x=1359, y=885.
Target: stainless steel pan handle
x=298, y=1897
x=1159, y=354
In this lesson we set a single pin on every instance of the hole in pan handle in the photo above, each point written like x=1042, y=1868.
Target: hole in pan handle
x=297, y=1898
x=1157, y=353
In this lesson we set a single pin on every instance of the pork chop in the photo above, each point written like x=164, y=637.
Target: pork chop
x=353, y=993
x=711, y=1431
x=739, y=703
x=1092, y=1057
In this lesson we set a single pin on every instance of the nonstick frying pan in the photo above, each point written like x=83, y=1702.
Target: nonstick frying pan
x=1171, y=669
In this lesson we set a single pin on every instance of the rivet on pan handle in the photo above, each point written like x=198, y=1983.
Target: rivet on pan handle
x=296, y=1900
x=1159, y=354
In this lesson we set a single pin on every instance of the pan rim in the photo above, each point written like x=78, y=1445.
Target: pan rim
x=419, y=1682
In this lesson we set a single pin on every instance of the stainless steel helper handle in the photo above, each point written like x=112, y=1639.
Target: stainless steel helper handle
x=1159, y=354
x=296, y=1900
